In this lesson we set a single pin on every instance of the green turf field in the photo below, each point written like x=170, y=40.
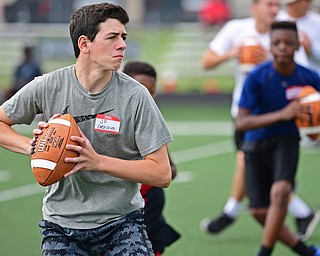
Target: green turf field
x=204, y=154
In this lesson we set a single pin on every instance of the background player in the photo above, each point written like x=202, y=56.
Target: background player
x=267, y=109
x=160, y=233
x=227, y=46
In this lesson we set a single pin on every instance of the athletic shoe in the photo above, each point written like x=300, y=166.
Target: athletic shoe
x=214, y=226
x=316, y=250
x=306, y=226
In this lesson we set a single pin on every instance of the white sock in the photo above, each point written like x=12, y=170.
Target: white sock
x=232, y=208
x=298, y=208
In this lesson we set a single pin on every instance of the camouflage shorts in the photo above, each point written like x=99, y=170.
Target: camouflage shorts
x=126, y=236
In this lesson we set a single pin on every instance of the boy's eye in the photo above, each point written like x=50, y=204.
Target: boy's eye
x=290, y=43
x=287, y=43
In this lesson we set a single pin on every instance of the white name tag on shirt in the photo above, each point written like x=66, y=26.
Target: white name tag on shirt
x=106, y=123
x=292, y=92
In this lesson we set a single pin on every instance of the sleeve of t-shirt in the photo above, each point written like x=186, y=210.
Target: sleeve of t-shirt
x=315, y=51
x=151, y=130
x=317, y=81
x=249, y=95
x=222, y=42
x=22, y=107
x=311, y=77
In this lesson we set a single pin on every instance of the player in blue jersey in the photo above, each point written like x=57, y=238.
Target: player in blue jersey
x=267, y=109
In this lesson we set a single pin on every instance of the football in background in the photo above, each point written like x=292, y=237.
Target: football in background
x=250, y=51
x=48, y=150
x=309, y=97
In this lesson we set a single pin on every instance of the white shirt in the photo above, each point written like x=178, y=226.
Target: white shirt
x=230, y=36
x=310, y=26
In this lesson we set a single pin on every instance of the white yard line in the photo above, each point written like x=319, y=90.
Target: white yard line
x=204, y=151
x=201, y=128
x=20, y=192
x=5, y=175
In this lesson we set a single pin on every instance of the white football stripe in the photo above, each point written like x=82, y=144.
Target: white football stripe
x=42, y=163
x=314, y=97
x=310, y=130
x=60, y=121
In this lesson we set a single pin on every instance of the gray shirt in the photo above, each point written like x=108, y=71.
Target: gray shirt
x=121, y=121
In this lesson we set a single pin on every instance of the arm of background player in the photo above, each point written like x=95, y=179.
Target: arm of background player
x=210, y=59
x=246, y=121
x=10, y=139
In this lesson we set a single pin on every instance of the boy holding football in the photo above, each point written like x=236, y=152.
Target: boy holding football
x=227, y=45
x=97, y=208
x=267, y=109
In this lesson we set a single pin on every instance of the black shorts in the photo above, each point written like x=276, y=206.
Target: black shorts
x=160, y=233
x=238, y=137
x=266, y=162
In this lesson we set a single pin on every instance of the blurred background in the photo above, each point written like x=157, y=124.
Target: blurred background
x=170, y=34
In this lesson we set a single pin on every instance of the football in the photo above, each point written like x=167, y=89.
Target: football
x=48, y=150
x=249, y=54
x=309, y=97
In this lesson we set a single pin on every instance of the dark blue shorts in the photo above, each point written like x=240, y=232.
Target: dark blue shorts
x=266, y=162
x=238, y=137
x=125, y=236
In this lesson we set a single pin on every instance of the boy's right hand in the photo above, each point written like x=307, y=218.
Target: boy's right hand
x=295, y=109
x=41, y=125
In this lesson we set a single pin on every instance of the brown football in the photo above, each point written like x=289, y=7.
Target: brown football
x=309, y=98
x=249, y=55
x=48, y=150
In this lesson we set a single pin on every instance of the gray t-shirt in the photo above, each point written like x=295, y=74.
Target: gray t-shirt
x=121, y=121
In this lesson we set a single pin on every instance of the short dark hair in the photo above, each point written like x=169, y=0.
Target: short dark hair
x=132, y=68
x=86, y=20
x=284, y=25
